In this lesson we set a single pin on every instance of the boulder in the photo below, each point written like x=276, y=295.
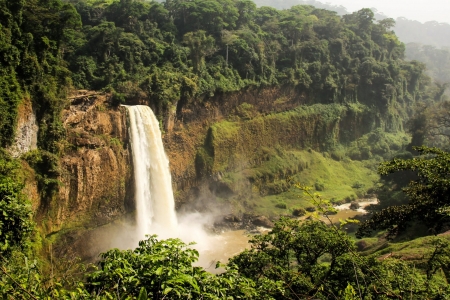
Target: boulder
x=231, y=218
x=354, y=205
x=262, y=221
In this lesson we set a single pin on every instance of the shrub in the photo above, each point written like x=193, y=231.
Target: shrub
x=299, y=212
x=46, y=166
x=357, y=185
x=117, y=99
x=319, y=186
x=281, y=205
x=311, y=208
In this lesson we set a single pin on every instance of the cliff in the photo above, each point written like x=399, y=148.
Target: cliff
x=235, y=132
x=26, y=130
x=204, y=140
x=94, y=173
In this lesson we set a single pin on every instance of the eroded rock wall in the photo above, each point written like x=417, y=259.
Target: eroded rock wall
x=250, y=120
x=96, y=169
x=26, y=130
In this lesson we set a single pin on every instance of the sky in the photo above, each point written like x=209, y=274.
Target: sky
x=420, y=10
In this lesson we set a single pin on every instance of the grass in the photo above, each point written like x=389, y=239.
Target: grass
x=268, y=193
x=236, y=144
x=310, y=145
x=418, y=249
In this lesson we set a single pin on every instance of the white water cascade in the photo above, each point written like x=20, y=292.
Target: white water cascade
x=155, y=208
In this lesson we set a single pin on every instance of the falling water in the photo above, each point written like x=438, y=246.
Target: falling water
x=155, y=211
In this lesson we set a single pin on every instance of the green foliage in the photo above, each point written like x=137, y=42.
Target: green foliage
x=430, y=123
x=292, y=253
x=199, y=48
x=264, y=185
x=298, y=212
x=117, y=99
x=295, y=260
x=47, y=170
x=311, y=259
x=427, y=194
x=15, y=213
x=15, y=224
x=357, y=185
x=379, y=143
x=163, y=269
x=281, y=205
x=319, y=186
x=173, y=52
x=437, y=60
x=31, y=64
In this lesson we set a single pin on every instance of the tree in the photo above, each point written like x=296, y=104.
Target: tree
x=228, y=38
x=164, y=270
x=291, y=253
x=429, y=194
x=201, y=45
x=15, y=216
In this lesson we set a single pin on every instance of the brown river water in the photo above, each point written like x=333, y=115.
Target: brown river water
x=229, y=243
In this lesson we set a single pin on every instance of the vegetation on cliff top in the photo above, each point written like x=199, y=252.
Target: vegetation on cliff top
x=177, y=50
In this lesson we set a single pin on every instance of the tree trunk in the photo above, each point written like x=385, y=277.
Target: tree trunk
x=226, y=60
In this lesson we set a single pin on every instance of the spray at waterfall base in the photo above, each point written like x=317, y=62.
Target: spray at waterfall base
x=154, y=201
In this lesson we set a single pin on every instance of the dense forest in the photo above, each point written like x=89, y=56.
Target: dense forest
x=429, y=33
x=181, y=50
x=408, y=31
x=177, y=52
x=437, y=60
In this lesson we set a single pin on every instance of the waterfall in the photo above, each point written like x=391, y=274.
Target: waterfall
x=155, y=211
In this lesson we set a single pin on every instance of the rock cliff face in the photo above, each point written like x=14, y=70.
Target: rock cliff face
x=193, y=120
x=26, y=131
x=202, y=140
x=96, y=169
x=228, y=132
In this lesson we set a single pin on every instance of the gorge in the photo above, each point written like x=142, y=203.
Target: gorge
x=99, y=187
x=252, y=107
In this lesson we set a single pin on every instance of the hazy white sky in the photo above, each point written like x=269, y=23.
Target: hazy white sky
x=420, y=10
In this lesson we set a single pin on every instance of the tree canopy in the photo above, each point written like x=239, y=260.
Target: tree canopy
x=427, y=195
x=160, y=53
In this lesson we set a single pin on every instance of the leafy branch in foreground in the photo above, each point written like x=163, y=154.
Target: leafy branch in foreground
x=296, y=260
x=164, y=270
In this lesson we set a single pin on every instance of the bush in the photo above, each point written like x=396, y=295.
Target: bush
x=319, y=186
x=117, y=99
x=15, y=213
x=281, y=205
x=354, y=205
x=15, y=219
x=311, y=208
x=338, y=153
x=299, y=212
x=46, y=166
x=357, y=185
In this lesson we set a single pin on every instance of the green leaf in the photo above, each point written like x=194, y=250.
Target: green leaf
x=159, y=271
x=167, y=290
x=142, y=294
